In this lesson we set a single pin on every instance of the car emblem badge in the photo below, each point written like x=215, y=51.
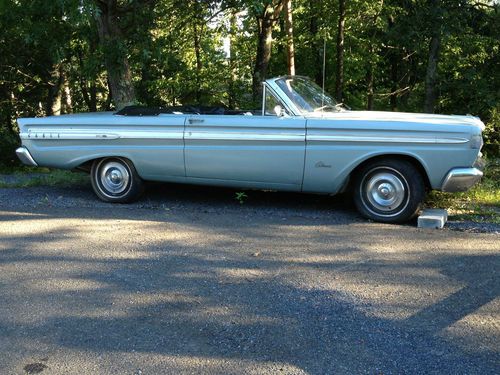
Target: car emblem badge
x=320, y=164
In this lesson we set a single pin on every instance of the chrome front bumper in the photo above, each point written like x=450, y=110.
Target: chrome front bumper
x=24, y=155
x=461, y=179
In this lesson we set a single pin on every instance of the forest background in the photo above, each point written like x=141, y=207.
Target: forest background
x=65, y=56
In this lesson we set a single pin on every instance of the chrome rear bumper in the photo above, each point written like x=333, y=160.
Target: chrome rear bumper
x=24, y=155
x=461, y=179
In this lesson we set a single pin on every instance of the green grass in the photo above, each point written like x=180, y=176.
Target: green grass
x=29, y=177
x=480, y=204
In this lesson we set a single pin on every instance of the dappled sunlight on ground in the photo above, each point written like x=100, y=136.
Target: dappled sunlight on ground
x=195, y=291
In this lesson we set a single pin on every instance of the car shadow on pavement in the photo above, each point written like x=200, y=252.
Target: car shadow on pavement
x=181, y=196
x=221, y=299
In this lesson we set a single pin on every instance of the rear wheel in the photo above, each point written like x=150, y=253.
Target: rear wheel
x=115, y=180
x=389, y=191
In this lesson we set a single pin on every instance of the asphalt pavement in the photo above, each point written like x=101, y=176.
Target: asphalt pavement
x=190, y=281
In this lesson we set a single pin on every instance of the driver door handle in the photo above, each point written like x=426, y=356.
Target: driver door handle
x=196, y=120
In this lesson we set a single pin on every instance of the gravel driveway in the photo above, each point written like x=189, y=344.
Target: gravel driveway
x=190, y=281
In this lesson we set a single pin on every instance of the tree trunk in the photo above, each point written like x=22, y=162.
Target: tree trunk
x=233, y=29
x=93, y=96
x=265, y=22
x=199, y=65
x=394, y=81
x=12, y=115
x=90, y=98
x=263, y=56
x=369, y=82
x=289, y=33
x=316, y=49
x=393, y=61
x=370, y=75
x=197, y=24
x=339, y=84
x=117, y=65
x=406, y=80
x=54, y=95
x=89, y=95
x=67, y=101
x=109, y=99
x=432, y=65
x=431, y=76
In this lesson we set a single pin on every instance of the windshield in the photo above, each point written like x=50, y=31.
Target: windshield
x=307, y=95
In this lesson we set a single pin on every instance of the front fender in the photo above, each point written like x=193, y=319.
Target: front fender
x=328, y=172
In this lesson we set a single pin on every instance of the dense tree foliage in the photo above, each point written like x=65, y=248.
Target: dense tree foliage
x=65, y=56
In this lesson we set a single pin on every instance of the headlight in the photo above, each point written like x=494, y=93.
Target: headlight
x=476, y=141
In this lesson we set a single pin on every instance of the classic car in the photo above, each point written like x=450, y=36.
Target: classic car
x=301, y=140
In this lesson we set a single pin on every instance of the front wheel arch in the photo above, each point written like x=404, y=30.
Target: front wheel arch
x=388, y=190
x=416, y=163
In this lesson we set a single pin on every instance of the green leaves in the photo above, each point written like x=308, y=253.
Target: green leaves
x=176, y=55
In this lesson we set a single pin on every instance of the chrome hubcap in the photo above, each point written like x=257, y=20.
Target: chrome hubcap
x=114, y=177
x=385, y=191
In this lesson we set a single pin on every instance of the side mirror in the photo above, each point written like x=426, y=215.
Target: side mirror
x=279, y=110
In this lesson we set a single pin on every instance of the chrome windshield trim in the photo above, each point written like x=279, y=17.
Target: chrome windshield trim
x=264, y=93
x=287, y=102
x=24, y=155
x=295, y=110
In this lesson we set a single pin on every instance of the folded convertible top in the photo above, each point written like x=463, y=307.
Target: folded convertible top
x=135, y=110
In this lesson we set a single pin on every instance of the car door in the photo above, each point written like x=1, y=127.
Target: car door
x=265, y=151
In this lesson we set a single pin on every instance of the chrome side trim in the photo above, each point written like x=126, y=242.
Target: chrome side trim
x=461, y=179
x=349, y=138
x=43, y=135
x=104, y=134
x=235, y=136
x=24, y=155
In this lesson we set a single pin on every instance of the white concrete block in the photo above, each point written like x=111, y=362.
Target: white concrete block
x=436, y=211
x=433, y=218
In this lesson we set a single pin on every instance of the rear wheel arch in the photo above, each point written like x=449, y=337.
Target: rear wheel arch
x=86, y=163
x=115, y=179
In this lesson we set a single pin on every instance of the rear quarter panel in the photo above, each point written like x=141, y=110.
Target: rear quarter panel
x=154, y=144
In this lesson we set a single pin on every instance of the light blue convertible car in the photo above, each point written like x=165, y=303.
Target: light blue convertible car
x=301, y=140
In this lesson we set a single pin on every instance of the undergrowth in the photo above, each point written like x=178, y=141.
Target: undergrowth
x=481, y=203
x=30, y=177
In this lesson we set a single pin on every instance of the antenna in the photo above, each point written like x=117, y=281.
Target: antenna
x=324, y=72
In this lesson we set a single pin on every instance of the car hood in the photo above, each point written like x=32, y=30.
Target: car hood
x=398, y=117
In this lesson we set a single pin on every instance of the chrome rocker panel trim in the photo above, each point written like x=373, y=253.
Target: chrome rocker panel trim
x=461, y=179
x=24, y=155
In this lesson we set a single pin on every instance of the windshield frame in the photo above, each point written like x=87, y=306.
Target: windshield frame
x=295, y=101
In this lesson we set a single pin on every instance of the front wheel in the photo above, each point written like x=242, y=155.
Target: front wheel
x=389, y=191
x=115, y=180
